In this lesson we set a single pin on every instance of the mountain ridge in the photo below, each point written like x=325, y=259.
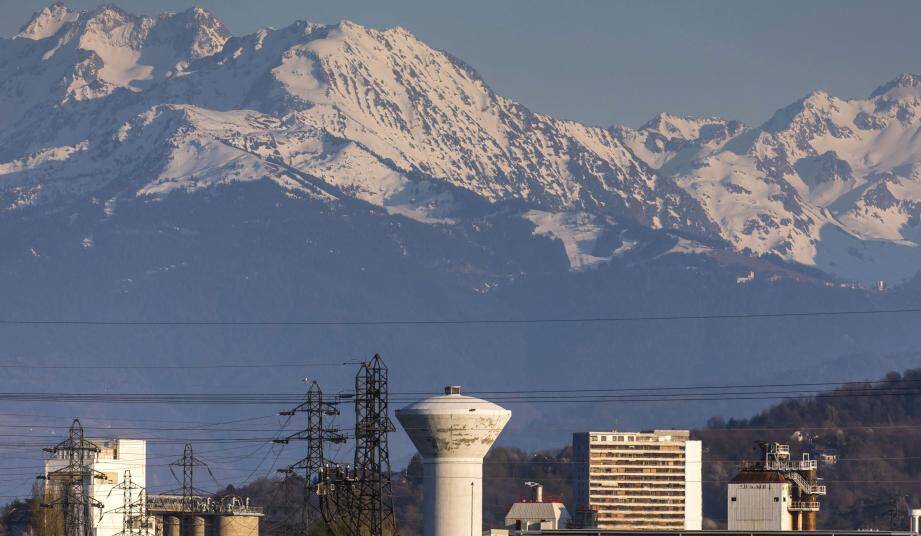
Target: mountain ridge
x=387, y=119
x=421, y=121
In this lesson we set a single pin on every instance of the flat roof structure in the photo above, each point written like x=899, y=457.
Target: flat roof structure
x=601, y=532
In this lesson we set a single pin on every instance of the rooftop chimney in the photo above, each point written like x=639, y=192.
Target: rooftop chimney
x=538, y=490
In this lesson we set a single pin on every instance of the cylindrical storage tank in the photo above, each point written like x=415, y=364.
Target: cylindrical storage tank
x=452, y=433
x=198, y=526
x=809, y=520
x=230, y=525
x=171, y=526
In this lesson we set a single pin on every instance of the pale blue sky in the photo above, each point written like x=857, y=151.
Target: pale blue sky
x=607, y=62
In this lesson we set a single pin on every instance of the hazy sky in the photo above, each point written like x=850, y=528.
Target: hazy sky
x=606, y=62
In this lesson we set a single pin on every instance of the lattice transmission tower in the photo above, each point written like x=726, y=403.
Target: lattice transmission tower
x=187, y=463
x=135, y=521
x=353, y=500
x=372, y=454
x=69, y=486
x=315, y=434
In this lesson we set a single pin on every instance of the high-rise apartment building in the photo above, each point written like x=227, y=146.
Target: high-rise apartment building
x=639, y=480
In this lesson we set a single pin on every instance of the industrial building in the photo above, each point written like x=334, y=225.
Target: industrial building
x=452, y=433
x=775, y=493
x=109, y=463
x=639, y=480
x=175, y=515
x=111, y=473
x=537, y=513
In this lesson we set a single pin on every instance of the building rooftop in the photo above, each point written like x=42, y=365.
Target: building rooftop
x=646, y=436
x=535, y=510
x=758, y=477
x=601, y=532
x=453, y=402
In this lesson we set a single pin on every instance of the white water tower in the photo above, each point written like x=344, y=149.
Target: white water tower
x=453, y=432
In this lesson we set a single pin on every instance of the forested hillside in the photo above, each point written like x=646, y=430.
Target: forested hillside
x=875, y=430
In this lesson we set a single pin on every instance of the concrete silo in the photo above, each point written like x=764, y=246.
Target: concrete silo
x=453, y=432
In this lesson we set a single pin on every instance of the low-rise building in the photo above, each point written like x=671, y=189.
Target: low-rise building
x=538, y=513
x=760, y=501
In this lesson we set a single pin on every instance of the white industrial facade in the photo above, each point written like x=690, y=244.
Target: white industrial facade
x=639, y=480
x=775, y=493
x=763, y=505
x=109, y=466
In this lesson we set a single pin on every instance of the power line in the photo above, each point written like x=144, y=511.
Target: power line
x=138, y=419
x=573, y=396
x=689, y=387
x=143, y=428
x=168, y=367
x=472, y=321
x=847, y=385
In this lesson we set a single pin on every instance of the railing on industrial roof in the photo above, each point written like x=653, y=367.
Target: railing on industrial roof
x=204, y=505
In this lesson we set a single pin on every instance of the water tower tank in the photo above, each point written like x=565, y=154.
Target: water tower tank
x=453, y=432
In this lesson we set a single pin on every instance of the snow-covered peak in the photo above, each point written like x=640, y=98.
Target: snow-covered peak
x=905, y=85
x=90, y=54
x=109, y=31
x=160, y=42
x=198, y=31
x=47, y=21
x=432, y=115
x=106, y=18
x=669, y=139
x=813, y=111
x=691, y=128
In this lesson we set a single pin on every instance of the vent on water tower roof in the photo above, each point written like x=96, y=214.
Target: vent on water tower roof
x=452, y=389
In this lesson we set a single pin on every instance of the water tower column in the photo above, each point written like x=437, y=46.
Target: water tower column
x=453, y=492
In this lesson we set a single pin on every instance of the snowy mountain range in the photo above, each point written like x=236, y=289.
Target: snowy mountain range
x=159, y=168
x=826, y=182
x=111, y=106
